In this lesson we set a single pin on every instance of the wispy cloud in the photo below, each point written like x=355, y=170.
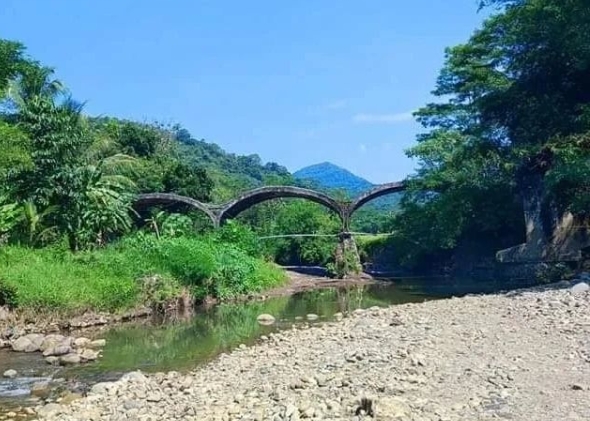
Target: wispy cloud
x=336, y=105
x=362, y=148
x=383, y=118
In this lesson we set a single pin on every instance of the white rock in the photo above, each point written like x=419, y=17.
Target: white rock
x=4, y=314
x=580, y=287
x=88, y=355
x=51, y=341
x=50, y=410
x=57, y=351
x=98, y=343
x=82, y=342
x=71, y=358
x=10, y=374
x=134, y=377
x=101, y=388
x=265, y=319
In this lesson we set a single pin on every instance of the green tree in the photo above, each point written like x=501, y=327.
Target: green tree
x=511, y=98
x=179, y=177
x=12, y=63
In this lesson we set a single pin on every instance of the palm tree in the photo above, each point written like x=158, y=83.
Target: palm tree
x=79, y=173
x=35, y=82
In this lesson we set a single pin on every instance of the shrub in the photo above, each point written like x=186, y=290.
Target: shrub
x=107, y=279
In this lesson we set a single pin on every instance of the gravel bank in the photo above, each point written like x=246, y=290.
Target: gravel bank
x=522, y=356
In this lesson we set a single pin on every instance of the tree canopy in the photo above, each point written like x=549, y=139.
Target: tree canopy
x=513, y=103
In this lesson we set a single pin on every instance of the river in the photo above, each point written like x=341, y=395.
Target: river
x=180, y=345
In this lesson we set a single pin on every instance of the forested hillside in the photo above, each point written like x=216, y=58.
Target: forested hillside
x=229, y=172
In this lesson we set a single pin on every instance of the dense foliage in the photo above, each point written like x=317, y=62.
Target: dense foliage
x=119, y=275
x=513, y=109
x=66, y=178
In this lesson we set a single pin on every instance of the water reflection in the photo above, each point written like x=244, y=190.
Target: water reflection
x=185, y=344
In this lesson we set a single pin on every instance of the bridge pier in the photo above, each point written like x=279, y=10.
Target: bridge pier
x=346, y=257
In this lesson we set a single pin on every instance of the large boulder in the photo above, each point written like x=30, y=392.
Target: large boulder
x=98, y=343
x=28, y=343
x=134, y=377
x=51, y=341
x=82, y=342
x=57, y=351
x=88, y=354
x=70, y=359
x=580, y=287
x=4, y=314
x=50, y=410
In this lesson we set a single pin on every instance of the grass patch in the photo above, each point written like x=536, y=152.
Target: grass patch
x=108, y=279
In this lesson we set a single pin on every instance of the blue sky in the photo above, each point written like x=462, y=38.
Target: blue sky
x=297, y=82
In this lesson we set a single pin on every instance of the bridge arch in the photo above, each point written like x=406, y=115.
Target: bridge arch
x=150, y=199
x=253, y=197
x=375, y=193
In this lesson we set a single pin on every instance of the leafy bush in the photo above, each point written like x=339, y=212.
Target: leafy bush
x=109, y=278
x=240, y=236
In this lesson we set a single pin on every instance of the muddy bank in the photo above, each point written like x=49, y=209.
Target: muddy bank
x=305, y=279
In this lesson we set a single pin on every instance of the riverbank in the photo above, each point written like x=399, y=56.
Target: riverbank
x=523, y=356
x=14, y=324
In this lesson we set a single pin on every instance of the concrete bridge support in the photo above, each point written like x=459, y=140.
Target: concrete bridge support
x=346, y=257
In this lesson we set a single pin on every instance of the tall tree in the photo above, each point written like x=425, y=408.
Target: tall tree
x=510, y=98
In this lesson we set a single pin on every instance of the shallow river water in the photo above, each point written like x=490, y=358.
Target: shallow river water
x=184, y=344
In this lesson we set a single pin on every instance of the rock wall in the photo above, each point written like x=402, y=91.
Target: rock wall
x=551, y=235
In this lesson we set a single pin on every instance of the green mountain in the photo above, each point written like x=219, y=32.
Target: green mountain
x=332, y=177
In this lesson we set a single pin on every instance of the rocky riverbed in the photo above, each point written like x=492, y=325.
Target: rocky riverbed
x=519, y=356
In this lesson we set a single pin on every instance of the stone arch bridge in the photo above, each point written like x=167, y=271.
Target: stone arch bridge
x=219, y=213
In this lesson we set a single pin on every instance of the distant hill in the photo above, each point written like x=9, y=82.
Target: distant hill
x=332, y=177
x=329, y=177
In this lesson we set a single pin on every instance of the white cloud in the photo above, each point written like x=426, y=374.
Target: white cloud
x=362, y=148
x=383, y=118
